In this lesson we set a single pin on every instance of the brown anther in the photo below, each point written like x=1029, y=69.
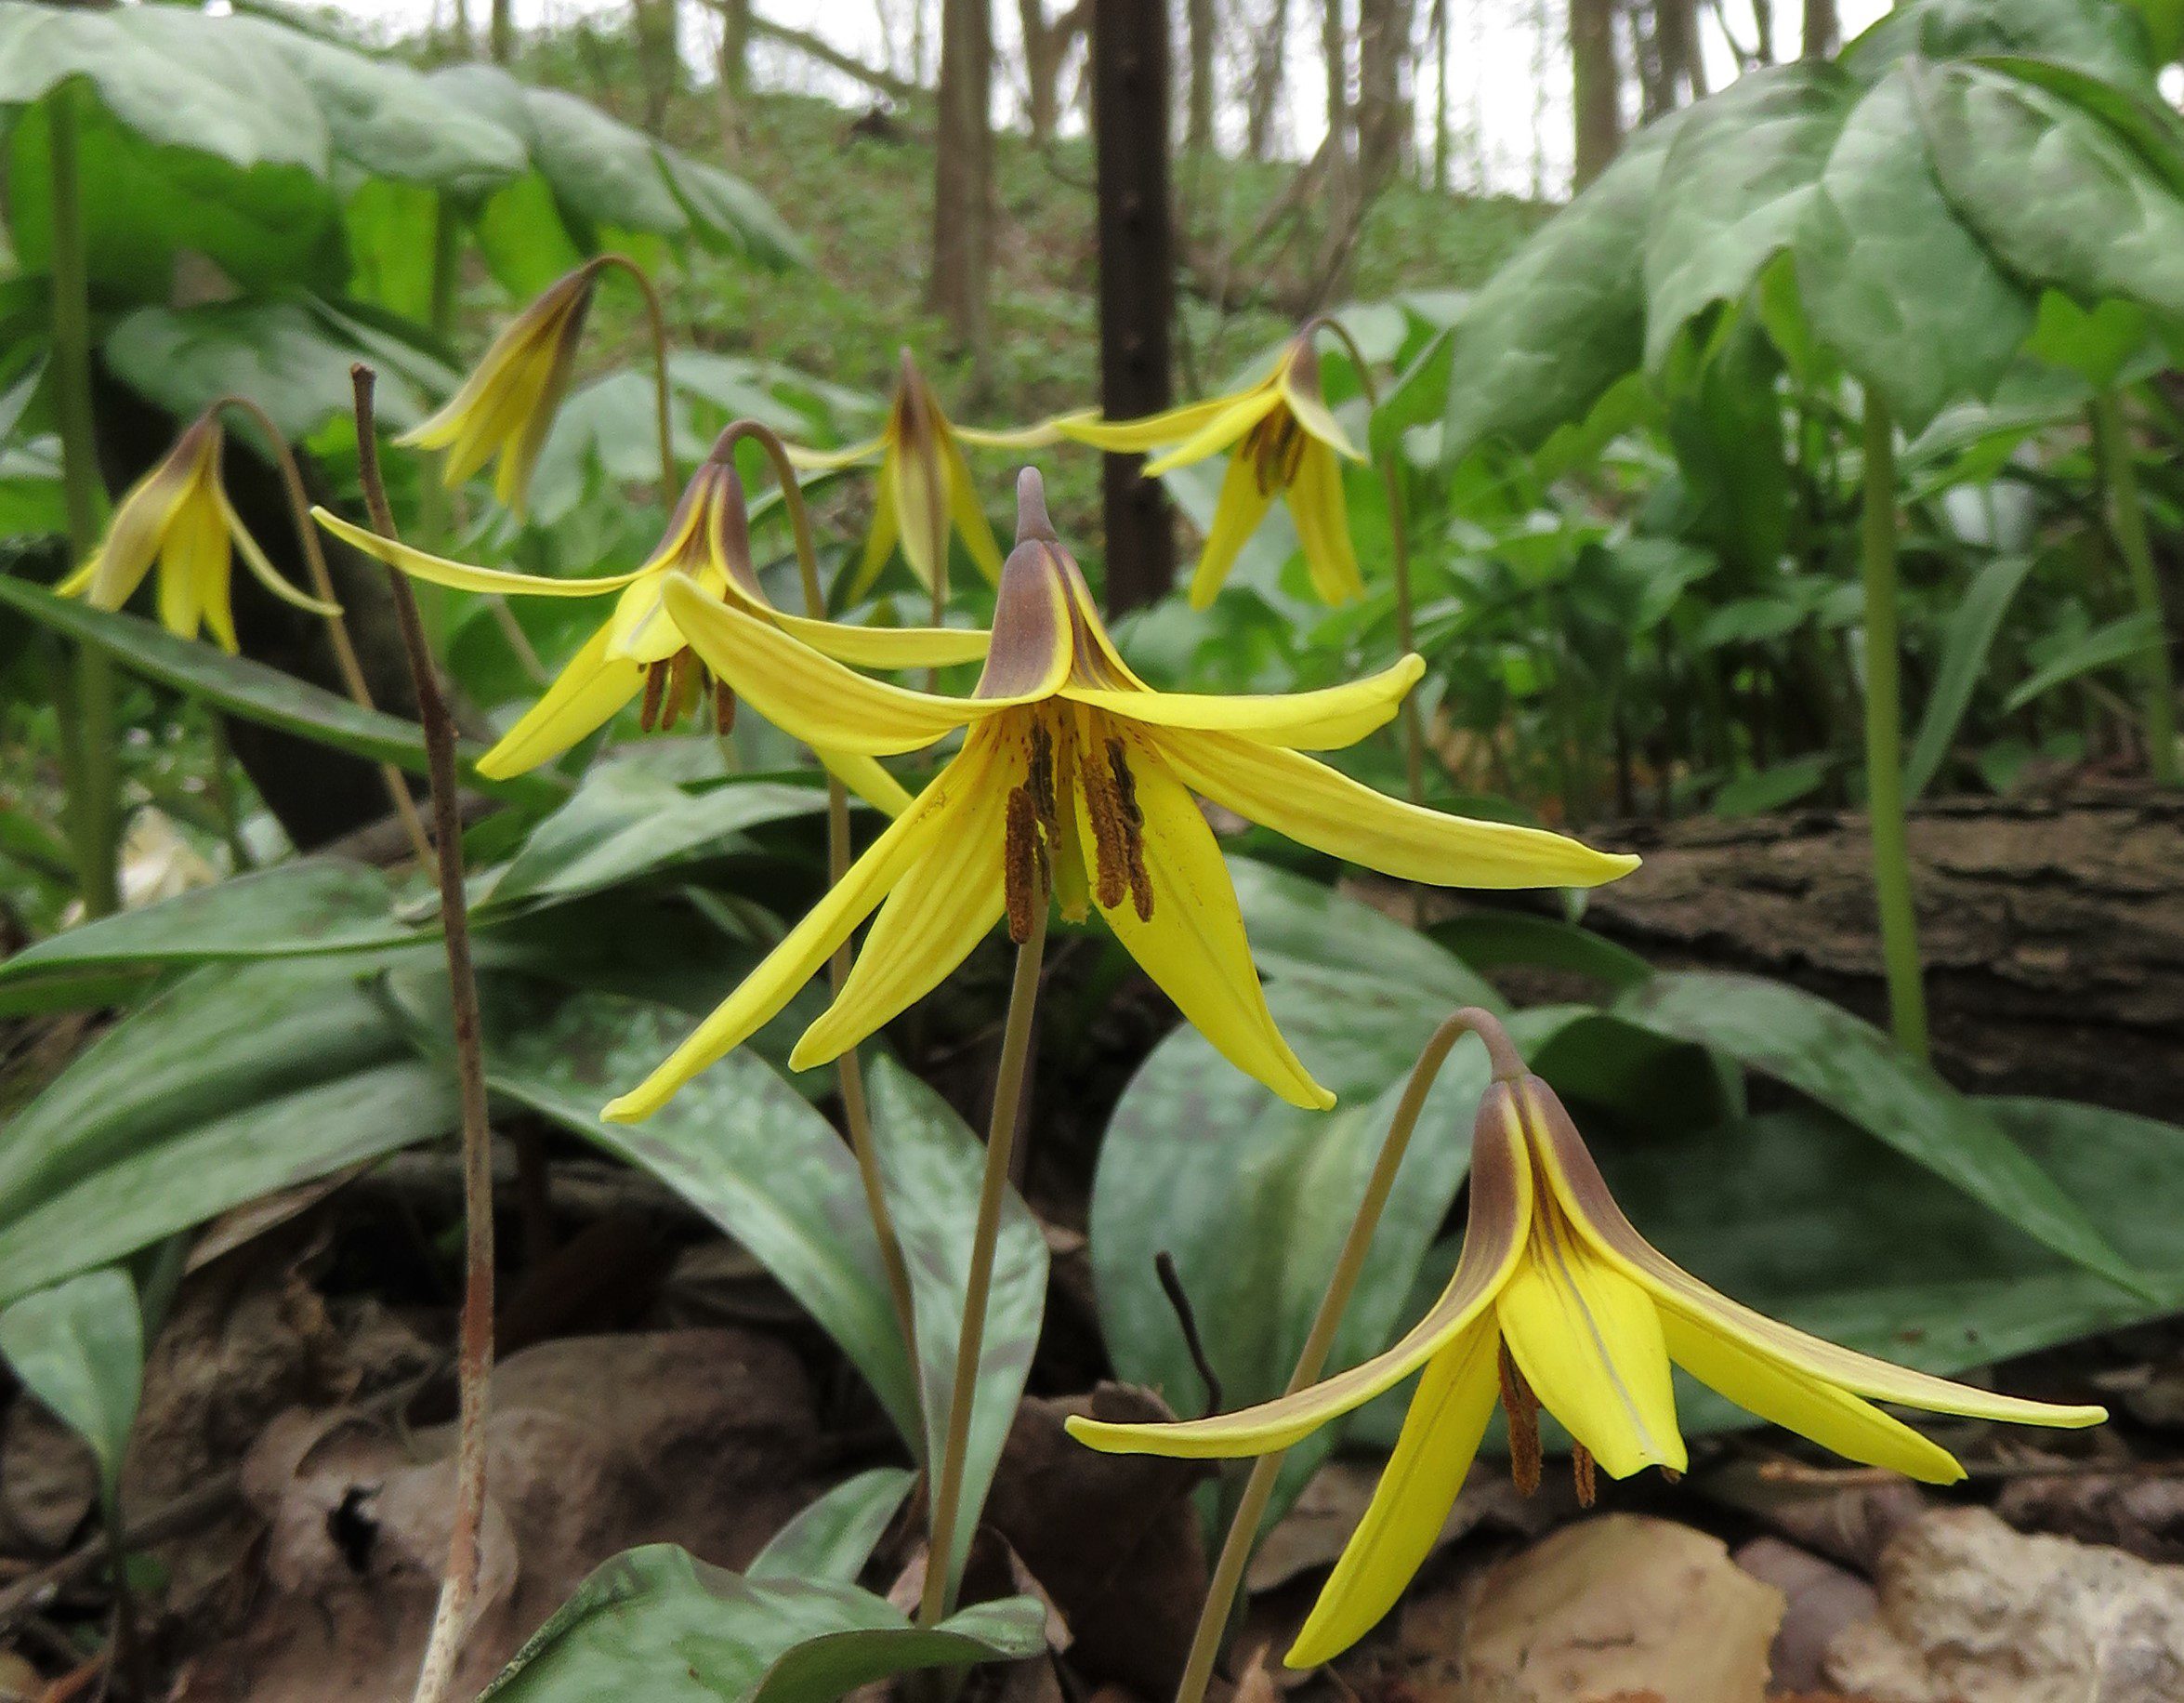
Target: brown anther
x=1039, y=781
x=648, y=718
x=723, y=708
x=678, y=689
x=1111, y=858
x=1522, y=1408
x=1672, y=1475
x=1132, y=824
x=1023, y=877
x=1581, y=1470
x=1276, y=447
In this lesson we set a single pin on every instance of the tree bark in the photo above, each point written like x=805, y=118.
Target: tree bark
x=734, y=78
x=1199, y=29
x=1130, y=97
x=659, y=59
x=963, y=175
x=502, y=31
x=1046, y=46
x=1823, y=29
x=1269, y=72
x=2053, y=930
x=1384, y=104
x=1595, y=87
x=1438, y=24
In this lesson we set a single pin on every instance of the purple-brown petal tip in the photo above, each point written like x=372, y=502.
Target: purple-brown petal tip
x=1030, y=509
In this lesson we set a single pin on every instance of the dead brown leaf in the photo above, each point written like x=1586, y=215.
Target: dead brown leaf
x=2139, y=1512
x=1823, y=1599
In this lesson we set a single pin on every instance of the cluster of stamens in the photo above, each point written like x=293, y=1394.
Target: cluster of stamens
x=1276, y=447
x=1118, y=831
x=1034, y=830
x=676, y=684
x=1522, y=1406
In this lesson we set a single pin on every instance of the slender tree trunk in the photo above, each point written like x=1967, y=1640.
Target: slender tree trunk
x=1384, y=106
x=1595, y=91
x=1341, y=183
x=1130, y=96
x=1269, y=71
x=1823, y=29
x=1763, y=21
x=1047, y=45
x=657, y=56
x=1437, y=22
x=963, y=175
x=1199, y=29
x=734, y=81
x=459, y=21
x=501, y=35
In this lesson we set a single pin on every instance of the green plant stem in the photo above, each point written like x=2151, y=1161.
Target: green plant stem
x=939, y=1596
x=433, y=498
x=848, y=1069
x=2126, y=518
x=94, y=777
x=1883, y=737
x=128, y=1642
x=1259, y=1489
x=1406, y=631
x=450, y=1617
x=663, y=409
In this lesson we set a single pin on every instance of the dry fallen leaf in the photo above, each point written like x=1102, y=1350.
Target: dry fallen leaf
x=1618, y=1608
x=1971, y=1610
x=1824, y=1598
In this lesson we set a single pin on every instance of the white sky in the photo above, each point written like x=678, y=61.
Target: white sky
x=1509, y=80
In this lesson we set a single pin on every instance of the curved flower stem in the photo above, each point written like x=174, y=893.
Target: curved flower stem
x=345, y=654
x=939, y=1596
x=1259, y=1488
x=856, y=1113
x=1387, y=464
x=2126, y=513
x=459, y=1586
x=662, y=420
x=1883, y=737
x=87, y=734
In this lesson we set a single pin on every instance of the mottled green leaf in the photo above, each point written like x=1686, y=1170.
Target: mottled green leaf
x=836, y=1535
x=1966, y=636
x=79, y=1348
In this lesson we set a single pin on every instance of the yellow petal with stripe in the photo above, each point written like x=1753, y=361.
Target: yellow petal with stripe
x=261, y=567
x=1036, y=436
x=879, y=542
x=968, y=515
x=460, y=575
x=1241, y=414
x=1237, y=513
x=1325, y=720
x=799, y=957
x=1588, y=1340
x=828, y=460
x=1130, y=437
x=920, y=494
x=886, y=647
x=1316, y=504
x=1439, y=1439
x=584, y=697
x=1315, y=805
x=1308, y=404
x=864, y=776
x=194, y=546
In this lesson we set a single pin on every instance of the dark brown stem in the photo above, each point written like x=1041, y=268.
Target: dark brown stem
x=474, y=1365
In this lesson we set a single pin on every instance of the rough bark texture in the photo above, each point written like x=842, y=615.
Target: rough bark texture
x=2053, y=932
x=1383, y=101
x=1130, y=88
x=962, y=174
x=1046, y=46
x=1823, y=29
x=1268, y=68
x=1594, y=86
x=1198, y=123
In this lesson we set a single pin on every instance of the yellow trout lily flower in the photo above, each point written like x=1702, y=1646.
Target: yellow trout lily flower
x=1556, y=1301
x=640, y=650
x=179, y=516
x=925, y=485
x=1075, y=777
x=507, y=405
x=1285, y=441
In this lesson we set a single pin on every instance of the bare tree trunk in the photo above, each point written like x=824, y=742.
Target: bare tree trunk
x=962, y=175
x=1762, y=20
x=733, y=83
x=1595, y=92
x=1199, y=29
x=1130, y=95
x=1045, y=46
x=658, y=58
x=1268, y=70
x=501, y=35
x=459, y=22
x=1438, y=21
x=1823, y=29
x=1340, y=180
x=1383, y=107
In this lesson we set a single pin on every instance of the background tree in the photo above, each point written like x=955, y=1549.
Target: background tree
x=1823, y=29
x=1596, y=89
x=962, y=175
x=1046, y=50
x=1200, y=29
x=1384, y=104
x=1269, y=71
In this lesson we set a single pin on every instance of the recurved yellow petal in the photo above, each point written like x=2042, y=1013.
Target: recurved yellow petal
x=262, y=568
x=1316, y=806
x=968, y=515
x=1130, y=437
x=1237, y=513
x=585, y=695
x=887, y=647
x=1308, y=404
x=1441, y=1437
x=1588, y=1340
x=784, y=970
x=194, y=545
x=1321, y=514
x=1241, y=414
x=440, y=571
x=827, y=460
x=1322, y=721
x=864, y=776
x=920, y=491
x=879, y=543
x=1038, y=435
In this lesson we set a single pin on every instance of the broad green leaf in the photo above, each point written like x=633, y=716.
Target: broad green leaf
x=2138, y=112
x=1487, y=939
x=1252, y=1196
x=1908, y=299
x=1776, y=786
x=930, y=1165
x=222, y=1038
x=185, y=1173
x=1724, y=417
x=1564, y=318
x=836, y=1535
x=524, y=238
x=2099, y=37
x=740, y=1145
x=2116, y=641
x=1966, y=636
x=391, y=231
x=1854, y=1069
x=253, y=691
x=622, y=823
x=79, y=1348
x=291, y=361
x=1737, y=180
x=729, y=216
x=1304, y=929
x=293, y=910
x=659, y=1624
x=2060, y=199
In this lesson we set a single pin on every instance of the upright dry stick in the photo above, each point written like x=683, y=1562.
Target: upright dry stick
x=459, y=1584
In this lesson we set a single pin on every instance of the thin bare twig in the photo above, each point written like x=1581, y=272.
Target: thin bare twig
x=474, y=1365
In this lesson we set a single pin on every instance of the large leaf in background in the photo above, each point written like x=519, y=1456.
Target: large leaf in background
x=836, y=1535
x=658, y=1623
x=290, y=360
x=1908, y=299
x=1854, y=1069
x=1303, y=928
x=930, y=1165
x=255, y=691
x=2099, y=37
x=171, y=160
x=2114, y=641
x=623, y=822
x=79, y=1348
x=2059, y=198
x=1966, y=636
x=1564, y=318
x=1738, y=177
x=738, y=1144
x=385, y=117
